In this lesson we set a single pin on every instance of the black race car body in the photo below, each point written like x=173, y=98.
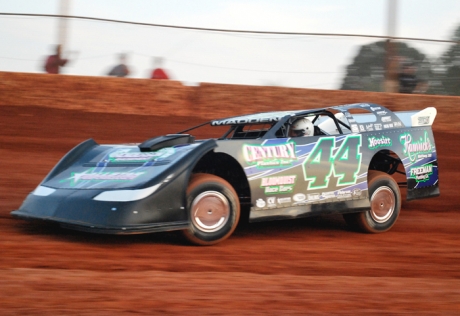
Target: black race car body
x=174, y=182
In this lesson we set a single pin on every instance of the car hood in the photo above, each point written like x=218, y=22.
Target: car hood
x=120, y=166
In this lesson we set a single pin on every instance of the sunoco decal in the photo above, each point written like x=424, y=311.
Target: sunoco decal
x=278, y=185
x=375, y=142
x=275, y=156
x=416, y=149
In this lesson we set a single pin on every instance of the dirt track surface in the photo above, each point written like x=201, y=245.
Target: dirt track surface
x=311, y=266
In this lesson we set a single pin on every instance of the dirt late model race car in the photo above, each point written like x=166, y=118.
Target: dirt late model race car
x=276, y=165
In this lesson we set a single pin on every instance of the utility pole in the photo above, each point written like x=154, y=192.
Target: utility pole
x=391, y=62
x=62, y=25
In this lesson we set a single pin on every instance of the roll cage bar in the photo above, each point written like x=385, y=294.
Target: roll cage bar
x=280, y=128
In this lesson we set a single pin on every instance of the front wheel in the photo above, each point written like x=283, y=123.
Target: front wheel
x=213, y=207
x=385, y=199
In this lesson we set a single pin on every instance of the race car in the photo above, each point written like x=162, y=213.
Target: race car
x=276, y=165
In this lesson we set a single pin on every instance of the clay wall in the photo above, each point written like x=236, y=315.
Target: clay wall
x=171, y=98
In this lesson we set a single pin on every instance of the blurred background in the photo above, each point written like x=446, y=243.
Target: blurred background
x=330, y=44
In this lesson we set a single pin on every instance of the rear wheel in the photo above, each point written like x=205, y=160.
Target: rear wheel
x=213, y=207
x=385, y=199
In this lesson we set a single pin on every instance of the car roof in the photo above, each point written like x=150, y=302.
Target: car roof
x=275, y=116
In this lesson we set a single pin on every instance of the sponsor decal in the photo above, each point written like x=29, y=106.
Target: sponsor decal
x=275, y=156
x=260, y=203
x=299, y=197
x=344, y=194
x=375, y=142
x=313, y=197
x=362, y=128
x=421, y=174
x=375, y=108
x=274, y=185
x=89, y=175
x=370, y=127
x=416, y=149
x=386, y=119
x=126, y=155
x=356, y=192
x=286, y=200
x=271, y=201
x=381, y=112
x=423, y=120
x=251, y=119
x=397, y=124
x=354, y=128
x=378, y=127
x=328, y=195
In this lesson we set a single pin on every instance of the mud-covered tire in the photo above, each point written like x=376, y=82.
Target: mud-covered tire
x=213, y=207
x=385, y=199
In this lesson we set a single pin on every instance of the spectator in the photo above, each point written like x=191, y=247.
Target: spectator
x=54, y=62
x=408, y=81
x=120, y=70
x=158, y=72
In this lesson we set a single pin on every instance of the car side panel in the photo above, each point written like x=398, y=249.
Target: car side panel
x=293, y=177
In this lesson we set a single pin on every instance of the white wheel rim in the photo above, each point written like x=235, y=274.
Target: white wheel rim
x=383, y=203
x=210, y=211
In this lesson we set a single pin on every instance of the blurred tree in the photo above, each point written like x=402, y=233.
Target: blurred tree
x=367, y=71
x=450, y=67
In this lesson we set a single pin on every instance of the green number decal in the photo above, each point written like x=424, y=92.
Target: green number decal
x=322, y=162
x=317, y=167
x=347, y=160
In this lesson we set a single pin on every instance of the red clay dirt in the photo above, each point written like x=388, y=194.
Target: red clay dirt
x=314, y=266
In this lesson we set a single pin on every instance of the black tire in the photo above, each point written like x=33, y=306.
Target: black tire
x=213, y=207
x=385, y=199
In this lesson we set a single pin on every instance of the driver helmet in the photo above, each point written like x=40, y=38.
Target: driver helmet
x=302, y=127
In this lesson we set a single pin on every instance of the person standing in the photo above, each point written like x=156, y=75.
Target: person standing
x=55, y=62
x=120, y=70
x=158, y=72
x=407, y=79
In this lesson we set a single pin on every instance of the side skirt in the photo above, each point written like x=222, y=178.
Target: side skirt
x=309, y=210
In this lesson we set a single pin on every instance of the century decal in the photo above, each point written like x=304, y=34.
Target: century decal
x=375, y=142
x=270, y=156
x=416, y=149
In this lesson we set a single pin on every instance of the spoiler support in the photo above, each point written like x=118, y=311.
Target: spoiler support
x=169, y=140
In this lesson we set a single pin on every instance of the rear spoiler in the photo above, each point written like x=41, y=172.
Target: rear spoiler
x=417, y=118
x=424, y=117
